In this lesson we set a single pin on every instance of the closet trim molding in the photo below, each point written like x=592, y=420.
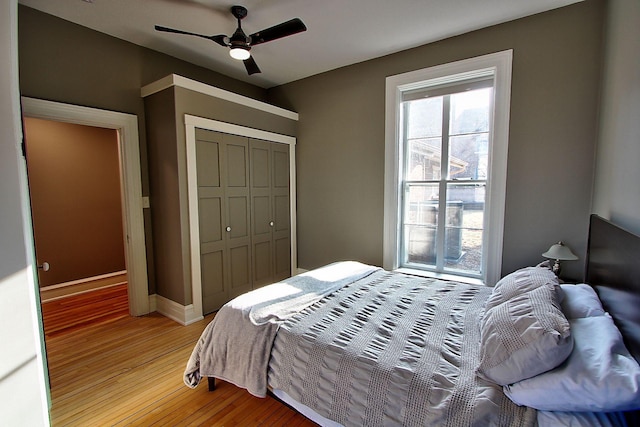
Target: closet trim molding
x=193, y=122
x=176, y=80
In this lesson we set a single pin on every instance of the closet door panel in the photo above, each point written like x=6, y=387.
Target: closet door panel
x=237, y=162
x=239, y=245
x=211, y=219
x=260, y=165
x=261, y=217
x=282, y=258
x=238, y=205
x=261, y=212
x=207, y=155
x=238, y=217
x=281, y=167
x=213, y=283
x=262, y=268
x=281, y=212
x=239, y=268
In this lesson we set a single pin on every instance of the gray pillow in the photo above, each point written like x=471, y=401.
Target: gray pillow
x=519, y=282
x=524, y=336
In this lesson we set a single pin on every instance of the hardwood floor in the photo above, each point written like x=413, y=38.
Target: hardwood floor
x=99, y=306
x=128, y=371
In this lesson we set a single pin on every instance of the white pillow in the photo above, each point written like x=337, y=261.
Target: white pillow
x=580, y=301
x=599, y=375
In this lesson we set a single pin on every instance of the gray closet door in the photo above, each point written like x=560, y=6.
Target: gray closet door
x=223, y=208
x=270, y=224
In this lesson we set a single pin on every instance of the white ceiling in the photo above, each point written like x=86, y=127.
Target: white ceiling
x=340, y=32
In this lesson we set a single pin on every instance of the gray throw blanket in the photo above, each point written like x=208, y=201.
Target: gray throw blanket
x=236, y=345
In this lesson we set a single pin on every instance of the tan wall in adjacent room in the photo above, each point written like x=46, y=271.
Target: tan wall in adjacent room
x=74, y=182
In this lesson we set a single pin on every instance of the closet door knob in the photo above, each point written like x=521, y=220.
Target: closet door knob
x=44, y=266
x=228, y=228
x=271, y=224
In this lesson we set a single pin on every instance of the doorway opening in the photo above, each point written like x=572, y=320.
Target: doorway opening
x=126, y=127
x=75, y=192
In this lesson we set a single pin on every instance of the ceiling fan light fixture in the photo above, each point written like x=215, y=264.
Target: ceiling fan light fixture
x=239, y=43
x=239, y=53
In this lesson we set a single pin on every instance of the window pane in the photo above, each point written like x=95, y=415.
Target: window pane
x=468, y=156
x=470, y=111
x=420, y=219
x=424, y=118
x=467, y=139
x=424, y=158
x=464, y=227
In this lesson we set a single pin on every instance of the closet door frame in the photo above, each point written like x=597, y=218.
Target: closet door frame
x=193, y=122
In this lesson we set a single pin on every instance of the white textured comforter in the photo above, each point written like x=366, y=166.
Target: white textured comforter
x=391, y=350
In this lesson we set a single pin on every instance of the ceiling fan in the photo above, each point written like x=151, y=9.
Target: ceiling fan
x=240, y=44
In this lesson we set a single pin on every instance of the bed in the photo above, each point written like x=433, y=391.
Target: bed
x=352, y=344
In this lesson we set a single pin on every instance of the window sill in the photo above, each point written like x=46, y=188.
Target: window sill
x=434, y=275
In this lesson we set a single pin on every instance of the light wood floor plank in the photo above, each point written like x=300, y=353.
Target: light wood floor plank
x=71, y=313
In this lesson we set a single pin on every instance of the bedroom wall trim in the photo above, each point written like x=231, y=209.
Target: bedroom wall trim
x=130, y=178
x=176, y=80
x=193, y=122
x=498, y=65
x=80, y=286
x=183, y=314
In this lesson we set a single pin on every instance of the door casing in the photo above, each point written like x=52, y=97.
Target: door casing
x=130, y=176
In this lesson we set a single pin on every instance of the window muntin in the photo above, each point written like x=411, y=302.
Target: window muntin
x=445, y=170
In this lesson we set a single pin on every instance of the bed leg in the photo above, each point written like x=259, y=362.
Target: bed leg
x=212, y=383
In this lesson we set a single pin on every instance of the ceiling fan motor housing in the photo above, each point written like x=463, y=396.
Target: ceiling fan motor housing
x=239, y=12
x=239, y=39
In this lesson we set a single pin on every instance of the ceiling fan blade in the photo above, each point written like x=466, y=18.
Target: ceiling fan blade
x=251, y=66
x=218, y=39
x=285, y=29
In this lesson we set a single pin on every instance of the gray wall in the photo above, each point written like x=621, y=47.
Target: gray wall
x=23, y=398
x=617, y=184
x=554, y=105
x=65, y=62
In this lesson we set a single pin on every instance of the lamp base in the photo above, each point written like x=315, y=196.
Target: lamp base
x=556, y=268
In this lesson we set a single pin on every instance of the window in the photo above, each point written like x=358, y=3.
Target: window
x=445, y=170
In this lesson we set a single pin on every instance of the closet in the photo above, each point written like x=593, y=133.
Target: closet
x=243, y=214
x=222, y=202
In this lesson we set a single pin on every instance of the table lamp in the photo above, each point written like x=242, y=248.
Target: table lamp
x=559, y=252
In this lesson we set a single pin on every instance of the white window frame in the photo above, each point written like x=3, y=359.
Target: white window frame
x=499, y=66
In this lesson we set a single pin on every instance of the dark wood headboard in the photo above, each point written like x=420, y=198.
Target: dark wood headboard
x=613, y=269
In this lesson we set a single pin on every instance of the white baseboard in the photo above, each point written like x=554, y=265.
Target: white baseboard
x=81, y=286
x=185, y=315
x=153, y=303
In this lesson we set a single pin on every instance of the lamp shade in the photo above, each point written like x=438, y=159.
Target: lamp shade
x=561, y=252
